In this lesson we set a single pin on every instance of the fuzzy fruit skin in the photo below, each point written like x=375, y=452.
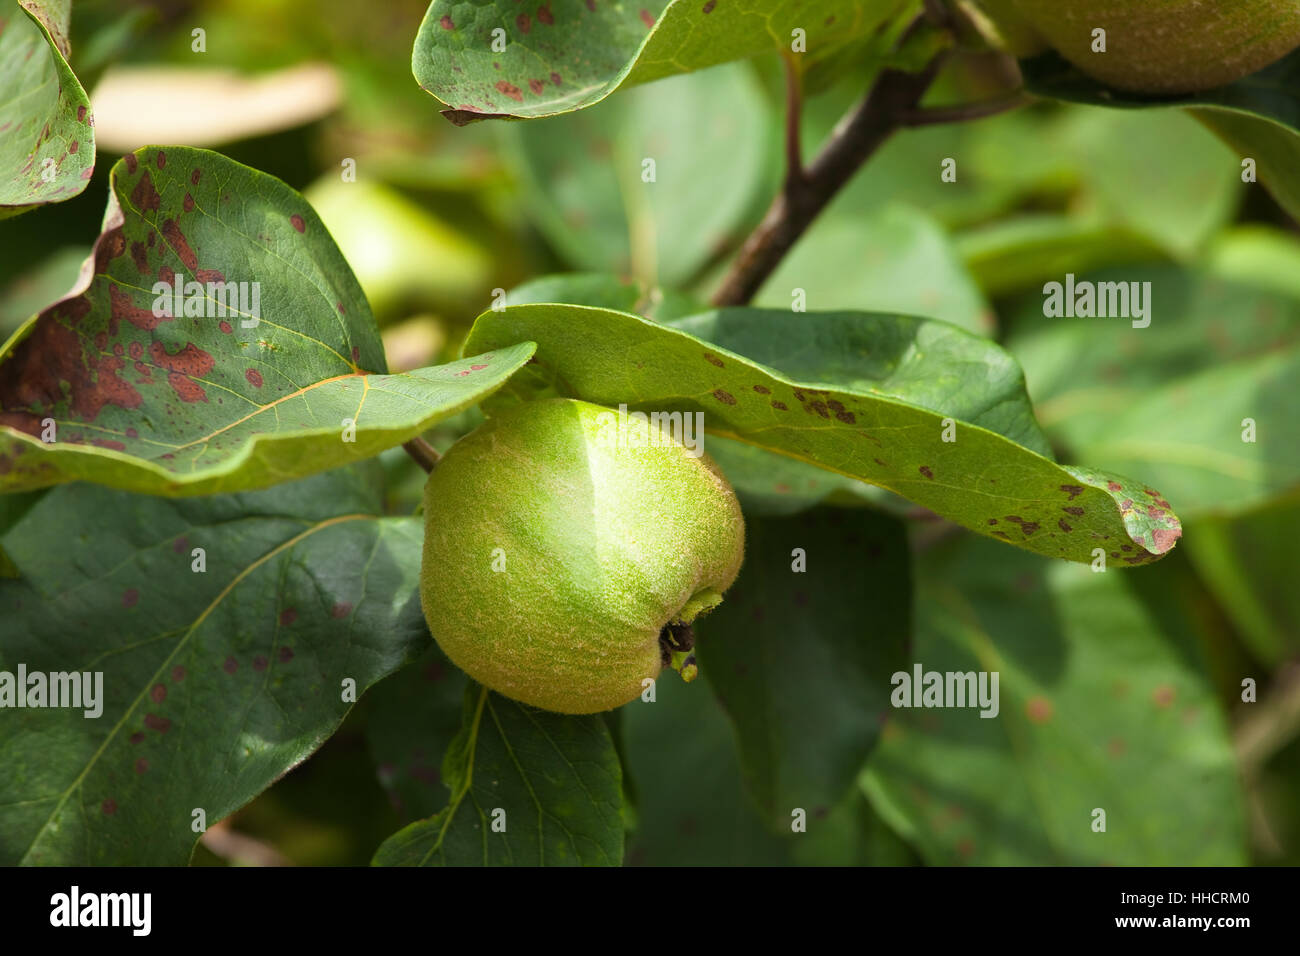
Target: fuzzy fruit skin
x=603, y=546
x=1168, y=46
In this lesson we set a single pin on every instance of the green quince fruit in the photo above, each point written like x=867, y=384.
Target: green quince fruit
x=567, y=550
x=1160, y=46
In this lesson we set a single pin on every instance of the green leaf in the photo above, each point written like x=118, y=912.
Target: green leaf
x=1258, y=116
x=1200, y=453
x=529, y=788
x=803, y=659
x=1253, y=254
x=863, y=395
x=585, y=176
x=47, y=150
x=1138, y=170
x=1271, y=141
x=772, y=484
x=214, y=684
x=200, y=404
x=1170, y=401
x=895, y=260
x=565, y=55
x=604, y=291
x=414, y=716
x=13, y=507
x=861, y=60
x=852, y=834
x=766, y=483
x=1026, y=251
x=921, y=361
x=692, y=809
x=1247, y=563
x=1103, y=704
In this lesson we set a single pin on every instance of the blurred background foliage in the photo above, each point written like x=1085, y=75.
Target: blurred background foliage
x=1120, y=690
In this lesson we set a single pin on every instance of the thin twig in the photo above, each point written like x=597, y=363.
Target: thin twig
x=965, y=111
x=794, y=175
x=424, y=454
x=1271, y=724
x=853, y=140
x=1267, y=727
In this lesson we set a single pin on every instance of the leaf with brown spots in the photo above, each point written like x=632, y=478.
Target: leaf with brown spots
x=1084, y=662
x=859, y=394
x=211, y=691
x=258, y=388
x=587, y=49
x=47, y=135
x=773, y=484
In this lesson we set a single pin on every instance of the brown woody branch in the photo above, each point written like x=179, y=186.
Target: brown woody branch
x=806, y=193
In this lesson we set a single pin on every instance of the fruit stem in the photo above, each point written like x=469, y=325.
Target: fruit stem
x=683, y=662
x=424, y=454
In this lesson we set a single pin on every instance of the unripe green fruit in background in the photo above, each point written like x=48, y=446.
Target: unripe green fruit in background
x=1165, y=46
x=562, y=561
x=392, y=244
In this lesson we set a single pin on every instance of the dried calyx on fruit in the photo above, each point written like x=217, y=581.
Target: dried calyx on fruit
x=567, y=552
x=1155, y=46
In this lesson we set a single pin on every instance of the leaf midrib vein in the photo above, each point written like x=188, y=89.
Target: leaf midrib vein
x=459, y=798
x=94, y=759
